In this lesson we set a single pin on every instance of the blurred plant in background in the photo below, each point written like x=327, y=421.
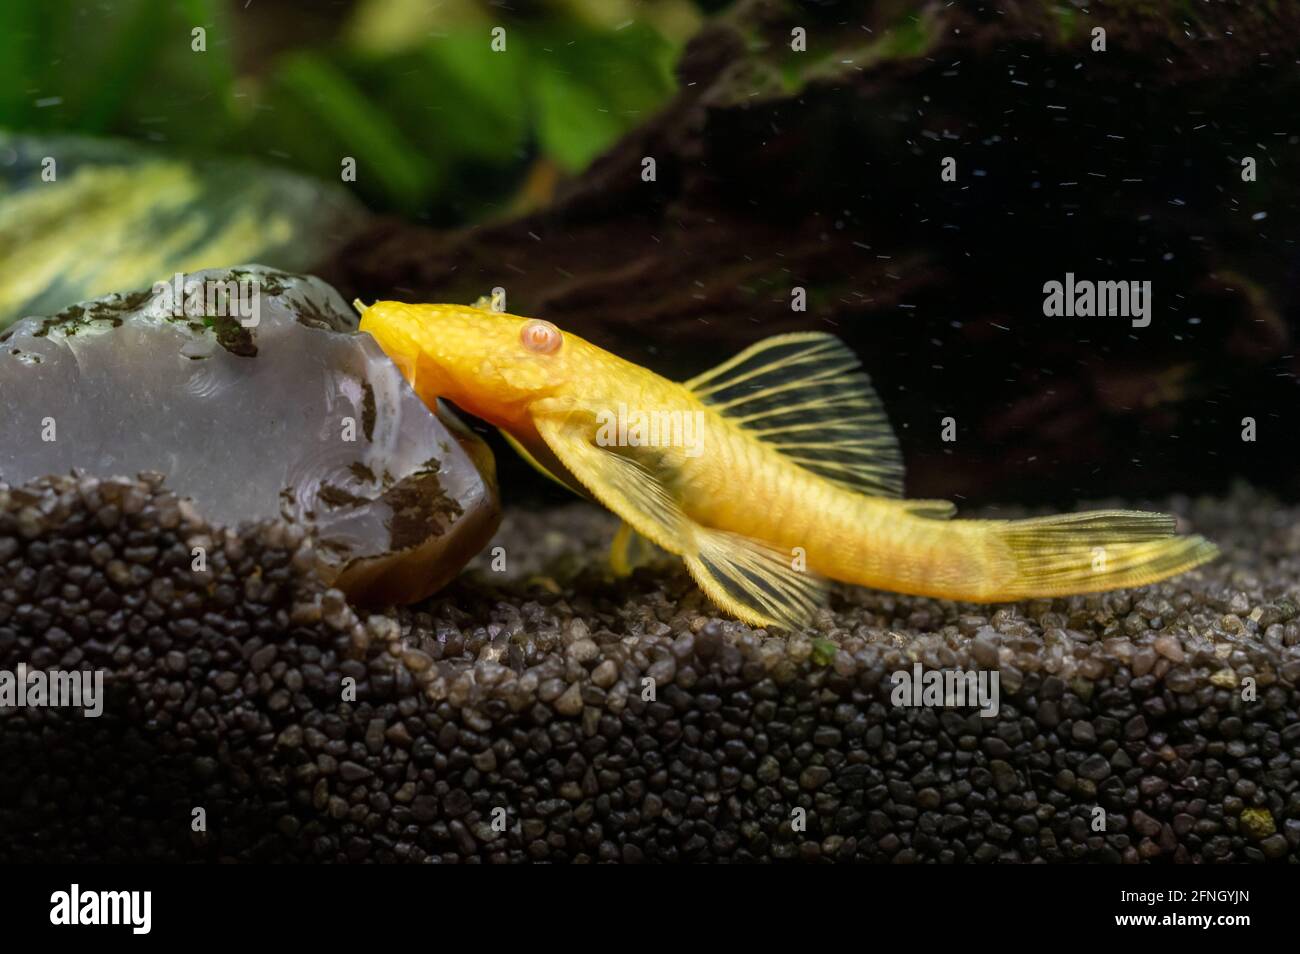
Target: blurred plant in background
x=441, y=126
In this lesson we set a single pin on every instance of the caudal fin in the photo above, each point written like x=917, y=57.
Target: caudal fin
x=1101, y=550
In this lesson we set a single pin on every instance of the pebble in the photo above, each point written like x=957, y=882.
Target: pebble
x=512, y=699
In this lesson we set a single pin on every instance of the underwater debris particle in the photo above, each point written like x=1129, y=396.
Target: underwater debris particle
x=1258, y=823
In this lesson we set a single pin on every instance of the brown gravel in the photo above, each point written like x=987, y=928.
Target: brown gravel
x=517, y=698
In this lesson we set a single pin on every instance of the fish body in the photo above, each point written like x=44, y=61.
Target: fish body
x=766, y=475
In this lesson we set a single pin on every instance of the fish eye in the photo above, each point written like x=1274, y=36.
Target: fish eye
x=541, y=337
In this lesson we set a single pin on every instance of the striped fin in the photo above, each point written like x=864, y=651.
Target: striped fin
x=616, y=478
x=1092, y=552
x=807, y=396
x=1092, y=527
x=753, y=581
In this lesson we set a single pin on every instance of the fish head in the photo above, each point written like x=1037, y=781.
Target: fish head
x=489, y=363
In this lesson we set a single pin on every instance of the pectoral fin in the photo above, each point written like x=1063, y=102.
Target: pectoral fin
x=619, y=481
x=745, y=577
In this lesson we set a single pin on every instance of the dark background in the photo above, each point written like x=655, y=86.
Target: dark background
x=817, y=169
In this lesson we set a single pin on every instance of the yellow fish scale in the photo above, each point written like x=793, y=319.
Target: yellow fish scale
x=746, y=488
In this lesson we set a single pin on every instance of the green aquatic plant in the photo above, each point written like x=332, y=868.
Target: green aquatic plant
x=434, y=116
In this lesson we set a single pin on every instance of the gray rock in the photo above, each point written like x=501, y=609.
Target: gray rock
x=271, y=407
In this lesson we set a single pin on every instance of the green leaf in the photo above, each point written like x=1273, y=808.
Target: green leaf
x=576, y=121
x=592, y=88
x=25, y=40
x=367, y=132
x=447, y=127
x=483, y=106
x=121, y=71
x=121, y=217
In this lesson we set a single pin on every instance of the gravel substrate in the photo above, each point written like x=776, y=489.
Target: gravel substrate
x=523, y=690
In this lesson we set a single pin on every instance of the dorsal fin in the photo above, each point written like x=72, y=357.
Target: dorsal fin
x=807, y=396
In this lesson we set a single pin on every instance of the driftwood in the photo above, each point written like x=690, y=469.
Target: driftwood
x=777, y=170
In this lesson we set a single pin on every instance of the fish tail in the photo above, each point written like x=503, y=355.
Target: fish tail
x=1092, y=552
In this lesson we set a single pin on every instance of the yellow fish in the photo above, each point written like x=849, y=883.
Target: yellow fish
x=767, y=475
